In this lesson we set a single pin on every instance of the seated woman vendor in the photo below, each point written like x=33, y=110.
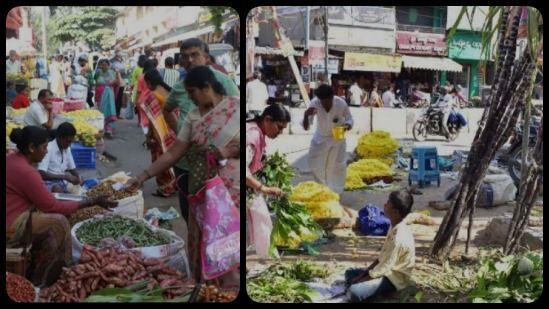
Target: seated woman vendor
x=57, y=168
x=392, y=270
x=25, y=193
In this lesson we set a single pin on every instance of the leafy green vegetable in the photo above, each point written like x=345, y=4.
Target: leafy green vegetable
x=512, y=278
x=285, y=282
x=133, y=294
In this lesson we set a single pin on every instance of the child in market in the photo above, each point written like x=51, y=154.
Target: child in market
x=391, y=271
x=22, y=98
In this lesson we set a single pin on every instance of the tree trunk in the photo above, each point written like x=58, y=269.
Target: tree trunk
x=497, y=123
x=529, y=191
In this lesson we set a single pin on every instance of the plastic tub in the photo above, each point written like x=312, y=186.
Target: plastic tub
x=338, y=133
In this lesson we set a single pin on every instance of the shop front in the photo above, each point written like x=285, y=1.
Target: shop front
x=372, y=67
x=465, y=47
x=425, y=61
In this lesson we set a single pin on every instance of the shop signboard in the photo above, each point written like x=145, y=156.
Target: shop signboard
x=417, y=43
x=364, y=16
x=372, y=62
x=466, y=46
x=333, y=66
x=317, y=52
x=306, y=73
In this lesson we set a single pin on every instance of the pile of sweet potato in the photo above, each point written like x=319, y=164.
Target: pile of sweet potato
x=113, y=267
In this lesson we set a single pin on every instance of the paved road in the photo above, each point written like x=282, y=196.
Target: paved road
x=132, y=157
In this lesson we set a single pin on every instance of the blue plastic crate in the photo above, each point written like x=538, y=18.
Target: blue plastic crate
x=84, y=157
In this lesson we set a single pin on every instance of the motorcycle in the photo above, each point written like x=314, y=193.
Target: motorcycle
x=515, y=150
x=419, y=100
x=430, y=123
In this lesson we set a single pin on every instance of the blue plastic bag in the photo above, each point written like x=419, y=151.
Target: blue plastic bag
x=372, y=221
x=452, y=118
x=461, y=120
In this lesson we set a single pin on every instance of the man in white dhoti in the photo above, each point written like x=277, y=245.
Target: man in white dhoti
x=326, y=154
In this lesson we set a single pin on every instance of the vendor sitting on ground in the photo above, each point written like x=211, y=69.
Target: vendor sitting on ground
x=25, y=193
x=22, y=98
x=57, y=168
x=392, y=270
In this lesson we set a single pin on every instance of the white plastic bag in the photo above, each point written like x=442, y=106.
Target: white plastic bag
x=260, y=225
x=503, y=187
x=131, y=207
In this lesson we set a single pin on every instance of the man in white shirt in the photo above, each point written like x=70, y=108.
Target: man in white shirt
x=256, y=95
x=357, y=94
x=388, y=97
x=57, y=168
x=40, y=112
x=13, y=66
x=326, y=154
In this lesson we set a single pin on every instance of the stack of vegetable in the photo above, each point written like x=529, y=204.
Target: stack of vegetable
x=277, y=172
x=133, y=233
x=293, y=226
x=319, y=200
x=85, y=214
x=19, y=289
x=213, y=294
x=112, y=267
x=284, y=283
x=105, y=188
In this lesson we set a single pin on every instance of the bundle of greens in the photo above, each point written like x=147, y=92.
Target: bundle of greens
x=293, y=226
x=285, y=283
x=135, y=294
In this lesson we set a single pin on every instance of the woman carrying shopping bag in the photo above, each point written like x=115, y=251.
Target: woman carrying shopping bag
x=209, y=137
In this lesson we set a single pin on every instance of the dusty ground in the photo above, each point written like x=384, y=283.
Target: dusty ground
x=349, y=250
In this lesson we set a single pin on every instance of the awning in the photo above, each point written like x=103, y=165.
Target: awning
x=431, y=63
x=372, y=62
x=194, y=33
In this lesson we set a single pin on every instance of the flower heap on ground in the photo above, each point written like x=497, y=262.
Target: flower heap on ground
x=318, y=199
x=376, y=150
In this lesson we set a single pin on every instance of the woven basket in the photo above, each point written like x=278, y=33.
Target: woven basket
x=328, y=224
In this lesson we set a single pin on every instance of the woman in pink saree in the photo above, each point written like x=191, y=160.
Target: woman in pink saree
x=212, y=127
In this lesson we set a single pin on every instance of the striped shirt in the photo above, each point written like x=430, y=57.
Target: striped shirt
x=171, y=76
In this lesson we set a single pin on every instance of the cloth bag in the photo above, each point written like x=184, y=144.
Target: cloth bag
x=372, y=221
x=260, y=225
x=219, y=221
